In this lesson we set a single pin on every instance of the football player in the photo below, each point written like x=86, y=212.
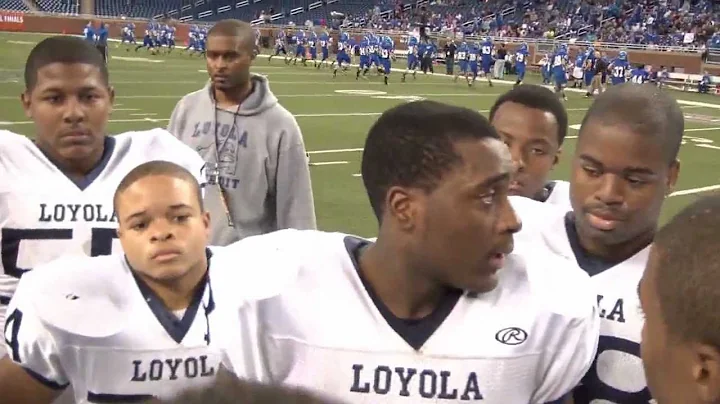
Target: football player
x=57, y=190
x=679, y=297
x=487, y=51
x=558, y=64
x=625, y=164
x=439, y=308
x=533, y=122
x=121, y=328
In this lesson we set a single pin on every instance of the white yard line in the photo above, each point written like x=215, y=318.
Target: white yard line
x=695, y=190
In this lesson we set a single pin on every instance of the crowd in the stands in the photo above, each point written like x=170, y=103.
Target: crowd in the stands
x=692, y=23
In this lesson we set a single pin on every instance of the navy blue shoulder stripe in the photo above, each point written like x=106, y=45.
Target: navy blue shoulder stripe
x=102, y=398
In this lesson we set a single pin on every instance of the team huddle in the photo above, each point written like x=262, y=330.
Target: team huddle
x=487, y=281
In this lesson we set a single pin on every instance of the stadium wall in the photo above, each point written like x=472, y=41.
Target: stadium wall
x=690, y=63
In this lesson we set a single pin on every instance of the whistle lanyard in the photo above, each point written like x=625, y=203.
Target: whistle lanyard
x=212, y=170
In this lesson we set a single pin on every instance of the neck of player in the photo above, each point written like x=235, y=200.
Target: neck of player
x=617, y=252
x=229, y=97
x=177, y=294
x=403, y=290
x=75, y=169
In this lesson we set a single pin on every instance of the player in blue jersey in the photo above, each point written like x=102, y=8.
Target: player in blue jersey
x=202, y=41
x=462, y=54
x=705, y=83
x=589, y=66
x=559, y=71
x=385, y=54
x=486, y=54
x=619, y=68
x=577, y=72
x=343, y=54
x=639, y=75
x=162, y=35
x=545, y=68
x=312, y=40
x=192, y=37
x=148, y=41
x=280, y=46
x=365, y=50
x=521, y=58
x=300, y=47
x=324, y=42
x=412, y=58
x=128, y=35
x=473, y=61
x=374, y=41
x=170, y=37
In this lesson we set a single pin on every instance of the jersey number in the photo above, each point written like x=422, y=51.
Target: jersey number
x=595, y=389
x=100, y=244
x=12, y=329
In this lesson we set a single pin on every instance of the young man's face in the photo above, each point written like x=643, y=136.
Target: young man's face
x=70, y=105
x=162, y=227
x=532, y=137
x=618, y=183
x=464, y=227
x=228, y=61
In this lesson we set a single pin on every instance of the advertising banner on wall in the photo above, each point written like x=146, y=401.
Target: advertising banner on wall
x=11, y=21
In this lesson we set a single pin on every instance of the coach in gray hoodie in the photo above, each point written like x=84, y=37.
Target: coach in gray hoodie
x=252, y=145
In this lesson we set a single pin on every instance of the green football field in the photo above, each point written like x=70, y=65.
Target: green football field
x=335, y=115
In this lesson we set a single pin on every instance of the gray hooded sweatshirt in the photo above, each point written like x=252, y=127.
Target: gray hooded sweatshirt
x=260, y=155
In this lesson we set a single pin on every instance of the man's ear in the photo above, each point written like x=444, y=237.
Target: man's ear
x=26, y=103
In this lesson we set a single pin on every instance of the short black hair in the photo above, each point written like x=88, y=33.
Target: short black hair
x=536, y=97
x=229, y=389
x=63, y=49
x=413, y=145
x=234, y=28
x=687, y=262
x=645, y=109
x=157, y=167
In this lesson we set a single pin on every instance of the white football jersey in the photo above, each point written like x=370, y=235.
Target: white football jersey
x=43, y=214
x=528, y=341
x=91, y=323
x=617, y=375
x=560, y=195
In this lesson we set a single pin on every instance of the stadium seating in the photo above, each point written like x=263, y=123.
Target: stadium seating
x=58, y=6
x=649, y=22
x=14, y=5
x=135, y=8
